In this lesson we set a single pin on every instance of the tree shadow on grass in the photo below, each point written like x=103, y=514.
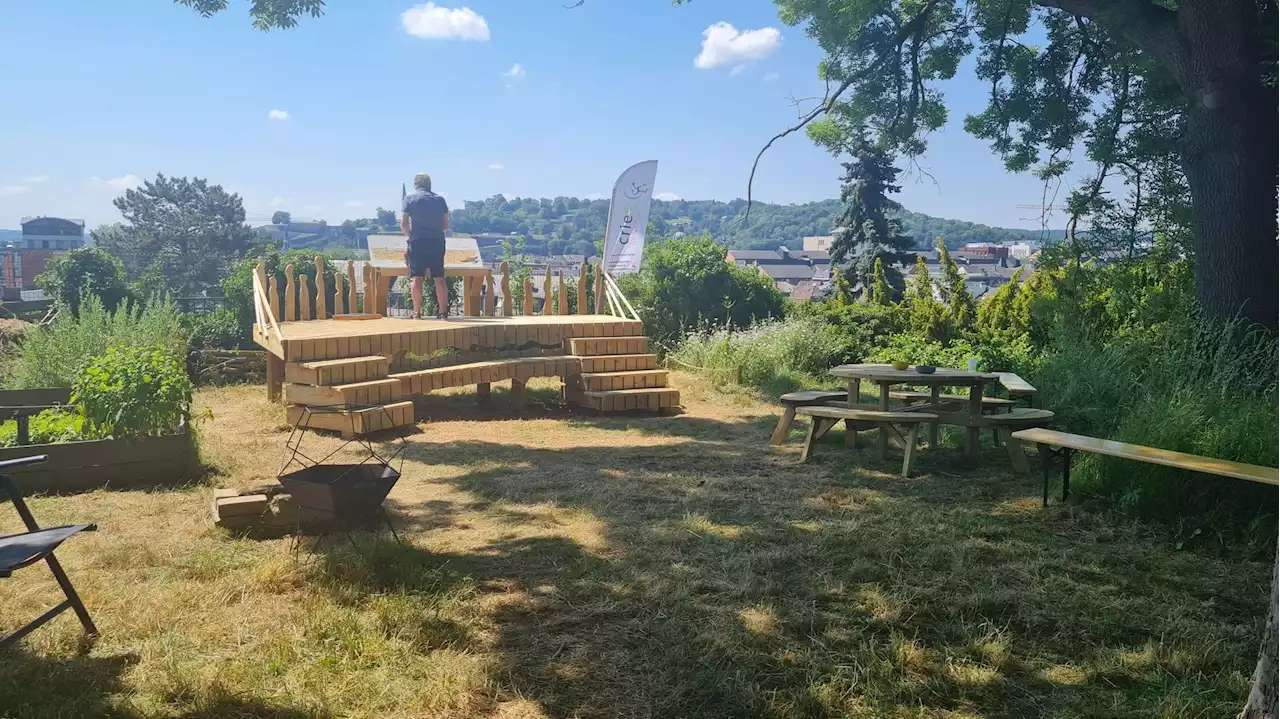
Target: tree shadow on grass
x=90, y=686
x=732, y=581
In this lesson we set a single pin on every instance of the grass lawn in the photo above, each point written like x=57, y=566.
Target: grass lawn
x=563, y=566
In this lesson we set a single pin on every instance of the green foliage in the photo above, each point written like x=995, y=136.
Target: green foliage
x=266, y=14
x=280, y=217
x=881, y=293
x=866, y=234
x=685, y=285
x=237, y=286
x=998, y=315
x=219, y=329
x=51, y=425
x=132, y=392
x=55, y=357
x=776, y=356
x=928, y=315
x=960, y=306
x=190, y=230
x=86, y=270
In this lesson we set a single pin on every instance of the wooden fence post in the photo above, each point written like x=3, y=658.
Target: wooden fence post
x=600, y=287
x=546, y=292
x=273, y=289
x=290, y=295
x=337, y=294
x=490, y=295
x=506, y=289
x=370, y=291
x=351, y=287
x=582, y=288
x=528, y=296
x=564, y=294
x=304, y=297
x=322, y=311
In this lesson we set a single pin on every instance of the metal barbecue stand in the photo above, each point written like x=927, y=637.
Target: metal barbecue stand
x=348, y=496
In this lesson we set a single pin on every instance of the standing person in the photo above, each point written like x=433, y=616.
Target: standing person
x=425, y=219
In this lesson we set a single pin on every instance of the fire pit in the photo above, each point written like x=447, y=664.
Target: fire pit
x=343, y=493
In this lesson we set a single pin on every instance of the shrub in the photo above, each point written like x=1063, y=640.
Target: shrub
x=775, y=356
x=131, y=392
x=219, y=329
x=56, y=357
x=237, y=287
x=51, y=425
x=84, y=271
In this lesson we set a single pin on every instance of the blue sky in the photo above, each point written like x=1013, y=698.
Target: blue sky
x=520, y=97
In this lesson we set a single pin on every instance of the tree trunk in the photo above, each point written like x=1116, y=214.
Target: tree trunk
x=1262, y=700
x=1229, y=156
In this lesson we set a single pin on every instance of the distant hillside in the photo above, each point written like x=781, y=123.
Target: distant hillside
x=569, y=225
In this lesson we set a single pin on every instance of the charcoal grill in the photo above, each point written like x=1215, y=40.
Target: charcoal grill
x=340, y=494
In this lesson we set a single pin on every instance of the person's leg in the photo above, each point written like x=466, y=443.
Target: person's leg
x=442, y=296
x=417, y=296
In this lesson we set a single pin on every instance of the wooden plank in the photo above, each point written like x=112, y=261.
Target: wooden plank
x=528, y=297
x=352, y=307
x=290, y=295
x=491, y=294
x=274, y=291
x=275, y=377
x=583, y=272
x=321, y=308
x=600, y=288
x=1015, y=384
x=304, y=298
x=562, y=306
x=505, y=269
x=1152, y=455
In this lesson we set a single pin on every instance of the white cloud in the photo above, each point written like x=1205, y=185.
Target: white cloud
x=124, y=182
x=497, y=167
x=596, y=196
x=10, y=190
x=278, y=115
x=737, y=70
x=277, y=202
x=770, y=76
x=723, y=44
x=35, y=179
x=354, y=203
x=515, y=71
x=314, y=209
x=667, y=196
x=431, y=22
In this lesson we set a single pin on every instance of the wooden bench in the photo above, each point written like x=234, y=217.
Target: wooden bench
x=1017, y=387
x=1007, y=424
x=792, y=400
x=910, y=398
x=887, y=420
x=1066, y=443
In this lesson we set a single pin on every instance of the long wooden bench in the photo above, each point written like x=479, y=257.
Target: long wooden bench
x=806, y=398
x=1066, y=443
x=1017, y=387
x=881, y=418
x=910, y=398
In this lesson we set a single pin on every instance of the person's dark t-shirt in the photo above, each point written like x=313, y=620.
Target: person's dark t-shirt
x=426, y=212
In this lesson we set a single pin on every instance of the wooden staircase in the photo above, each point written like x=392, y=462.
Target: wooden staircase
x=355, y=380
x=618, y=375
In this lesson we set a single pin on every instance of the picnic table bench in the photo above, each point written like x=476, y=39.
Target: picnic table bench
x=1065, y=443
x=886, y=420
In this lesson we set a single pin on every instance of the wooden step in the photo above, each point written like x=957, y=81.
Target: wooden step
x=337, y=371
x=635, y=379
x=357, y=422
x=378, y=391
x=521, y=368
x=622, y=400
x=596, y=346
x=618, y=363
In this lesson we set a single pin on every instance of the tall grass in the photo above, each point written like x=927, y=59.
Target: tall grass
x=56, y=356
x=775, y=356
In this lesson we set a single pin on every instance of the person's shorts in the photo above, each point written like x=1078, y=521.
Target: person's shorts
x=425, y=258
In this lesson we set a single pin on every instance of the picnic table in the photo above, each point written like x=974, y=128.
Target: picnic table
x=885, y=377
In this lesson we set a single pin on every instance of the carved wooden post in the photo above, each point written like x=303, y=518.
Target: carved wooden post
x=290, y=295
x=273, y=292
x=582, y=288
x=337, y=294
x=563, y=307
x=304, y=298
x=600, y=288
x=490, y=295
x=351, y=287
x=370, y=307
x=322, y=311
x=528, y=296
x=467, y=289
x=384, y=291
x=546, y=292
x=506, y=289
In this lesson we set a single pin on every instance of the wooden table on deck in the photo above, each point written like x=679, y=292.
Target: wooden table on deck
x=885, y=376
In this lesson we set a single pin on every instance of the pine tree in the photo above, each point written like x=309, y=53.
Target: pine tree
x=881, y=293
x=928, y=316
x=865, y=232
x=960, y=306
x=998, y=314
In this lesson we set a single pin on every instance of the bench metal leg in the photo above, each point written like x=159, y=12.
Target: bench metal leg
x=784, y=424
x=809, y=440
x=1046, y=455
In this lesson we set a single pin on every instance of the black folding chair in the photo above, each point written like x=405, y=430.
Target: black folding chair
x=23, y=550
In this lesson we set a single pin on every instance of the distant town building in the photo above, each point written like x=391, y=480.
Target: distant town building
x=52, y=233
x=789, y=269
x=987, y=249
x=818, y=243
x=43, y=238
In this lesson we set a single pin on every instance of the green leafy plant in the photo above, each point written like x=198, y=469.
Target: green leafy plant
x=51, y=425
x=131, y=392
x=87, y=271
x=219, y=329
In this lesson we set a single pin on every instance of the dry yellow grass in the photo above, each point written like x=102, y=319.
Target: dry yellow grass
x=557, y=565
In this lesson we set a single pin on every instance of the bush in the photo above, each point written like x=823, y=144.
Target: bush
x=237, y=287
x=84, y=271
x=51, y=425
x=132, y=392
x=219, y=329
x=56, y=357
x=774, y=356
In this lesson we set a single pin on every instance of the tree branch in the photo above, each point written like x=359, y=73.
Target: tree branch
x=1151, y=27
